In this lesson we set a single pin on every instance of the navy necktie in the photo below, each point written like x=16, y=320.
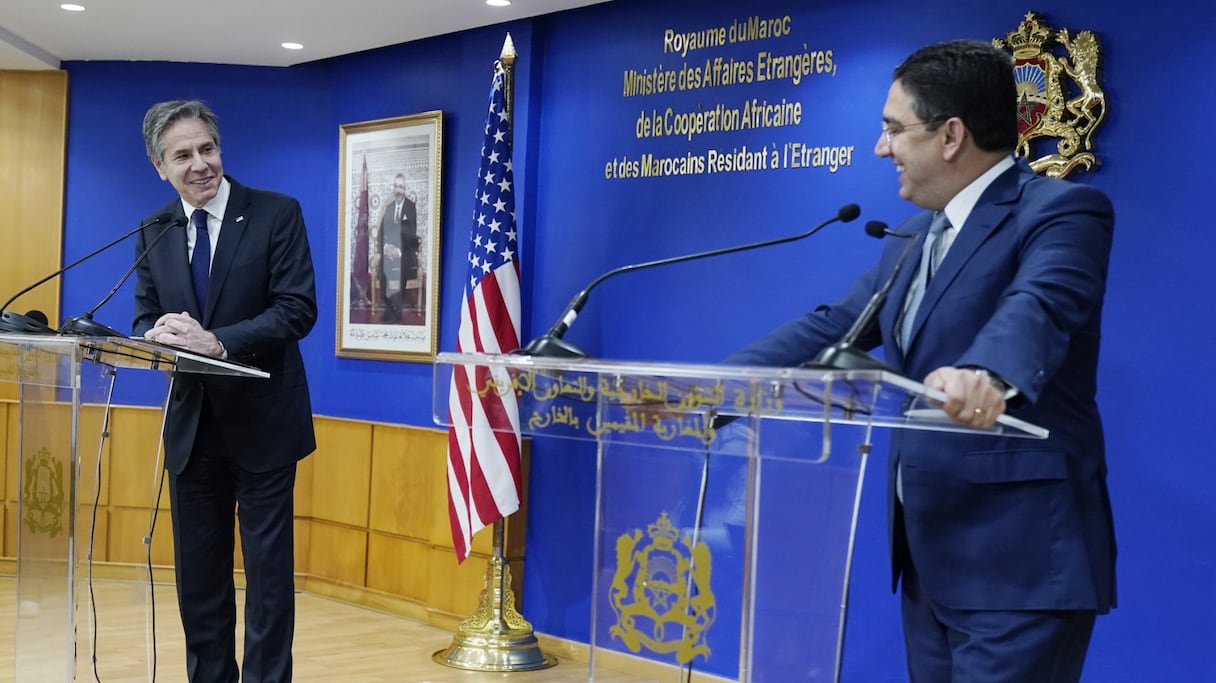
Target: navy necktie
x=931, y=256
x=200, y=262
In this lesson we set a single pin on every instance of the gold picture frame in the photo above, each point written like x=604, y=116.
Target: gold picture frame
x=389, y=212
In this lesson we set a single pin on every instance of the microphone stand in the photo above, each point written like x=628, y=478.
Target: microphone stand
x=551, y=344
x=83, y=324
x=844, y=354
x=15, y=322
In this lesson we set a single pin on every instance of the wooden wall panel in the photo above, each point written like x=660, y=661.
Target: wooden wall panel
x=48, y=427
x=4, y=449
x=133, y=475
x=6, y=536
x=303, y=544
x=397, y=566
x=404, y=464
x=371, y=514
x=10, y=450
x=33, y=135
x=129, y=526
x=302, y=496
x=454, y=588
x=338, y=553
x=440, y=532
x=89, y=446
x=92, y=532
x=342, y=471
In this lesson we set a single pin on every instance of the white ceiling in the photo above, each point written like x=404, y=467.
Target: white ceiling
x=37, y=34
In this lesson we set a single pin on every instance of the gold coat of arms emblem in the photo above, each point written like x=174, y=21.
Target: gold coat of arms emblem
x=42, y=495
x=1060, y=98
x=661, y=592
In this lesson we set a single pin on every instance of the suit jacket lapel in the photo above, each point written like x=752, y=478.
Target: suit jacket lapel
x=174, y=247
x=988, y=214
x=888, y=318
x=231, y=232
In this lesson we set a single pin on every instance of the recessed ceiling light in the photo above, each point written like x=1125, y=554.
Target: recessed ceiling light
x=293, y=46
x=71, y=8
x=498, y=3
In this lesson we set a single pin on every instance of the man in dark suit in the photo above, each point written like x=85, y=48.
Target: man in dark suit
x=1005, y=546
x=399, y=250
x=229, y=442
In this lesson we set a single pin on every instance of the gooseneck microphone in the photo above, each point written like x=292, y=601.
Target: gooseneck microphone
x=844, y=355
x=30, y=324
x=83, y=324
x=551, y=342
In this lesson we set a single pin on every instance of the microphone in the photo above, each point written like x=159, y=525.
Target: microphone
x=878, y=229
x=551, y=343
x=83, y=324
x=31, y=324
x=843, y=355
x=38, y=316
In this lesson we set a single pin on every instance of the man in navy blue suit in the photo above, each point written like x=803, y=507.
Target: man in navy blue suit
x=1005, y=546
x=237, y=283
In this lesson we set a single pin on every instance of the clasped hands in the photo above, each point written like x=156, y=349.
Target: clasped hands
x=971, y=399
x=182, y=331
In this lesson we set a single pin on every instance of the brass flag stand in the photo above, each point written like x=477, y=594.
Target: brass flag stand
x=495, y=637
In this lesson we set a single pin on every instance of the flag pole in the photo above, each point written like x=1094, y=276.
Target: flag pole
x=496, y=637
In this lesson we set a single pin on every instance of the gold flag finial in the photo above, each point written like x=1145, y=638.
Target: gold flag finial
x=508, y=51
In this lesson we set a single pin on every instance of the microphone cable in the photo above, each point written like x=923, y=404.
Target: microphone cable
x=92, y=613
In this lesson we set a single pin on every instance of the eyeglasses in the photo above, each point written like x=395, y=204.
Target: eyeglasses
x=890, y=133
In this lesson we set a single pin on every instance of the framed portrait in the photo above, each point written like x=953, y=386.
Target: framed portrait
x=388, y=238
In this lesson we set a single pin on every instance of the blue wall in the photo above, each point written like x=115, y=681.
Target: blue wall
x=280, y=131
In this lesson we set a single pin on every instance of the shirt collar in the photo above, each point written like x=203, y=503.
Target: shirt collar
x=216, y=206
x=959, y=208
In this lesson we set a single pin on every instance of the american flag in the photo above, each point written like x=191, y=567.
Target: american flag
x=483, y=440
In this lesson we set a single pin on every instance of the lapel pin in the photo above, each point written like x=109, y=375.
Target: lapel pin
x=239, y=219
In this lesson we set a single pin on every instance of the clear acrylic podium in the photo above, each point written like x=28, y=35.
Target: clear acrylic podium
x=64, y=389
x=726, y=501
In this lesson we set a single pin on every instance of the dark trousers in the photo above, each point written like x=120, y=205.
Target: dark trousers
x=204, y=497
x=965, y=646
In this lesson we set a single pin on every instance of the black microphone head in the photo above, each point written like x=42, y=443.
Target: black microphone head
x=38, y=316
x=876, y=229
x=160, y=218
x=848, y=212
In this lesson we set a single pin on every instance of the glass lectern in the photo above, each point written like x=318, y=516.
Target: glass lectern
x=726, y=500
x=64, y=387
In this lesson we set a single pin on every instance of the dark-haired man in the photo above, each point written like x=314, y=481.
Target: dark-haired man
x=399, y=251
x=236, y=283
x=1005, y=546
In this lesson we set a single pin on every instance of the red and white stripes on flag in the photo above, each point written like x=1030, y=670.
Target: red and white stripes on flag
x=483, y=440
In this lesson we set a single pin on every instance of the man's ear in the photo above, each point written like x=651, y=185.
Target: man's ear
x=159, y=166
x=954, y=137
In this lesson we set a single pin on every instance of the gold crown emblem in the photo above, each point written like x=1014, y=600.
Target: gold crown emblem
x=1027, y=40
x=663, y=530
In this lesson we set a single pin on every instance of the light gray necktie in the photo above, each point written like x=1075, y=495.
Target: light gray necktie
x=931, y=257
